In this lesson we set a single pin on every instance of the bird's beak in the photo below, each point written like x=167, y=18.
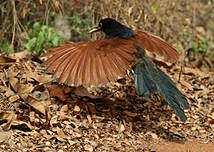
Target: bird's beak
x=95, y=29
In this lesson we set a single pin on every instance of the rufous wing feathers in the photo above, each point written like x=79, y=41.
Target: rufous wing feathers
x=91, y=63
x=155, y=44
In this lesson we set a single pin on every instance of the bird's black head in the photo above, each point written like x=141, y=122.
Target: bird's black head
x=112, y=28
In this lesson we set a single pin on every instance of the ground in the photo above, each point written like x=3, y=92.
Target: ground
x=37, y=114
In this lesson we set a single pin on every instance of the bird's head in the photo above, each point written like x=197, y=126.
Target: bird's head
x=113, y=28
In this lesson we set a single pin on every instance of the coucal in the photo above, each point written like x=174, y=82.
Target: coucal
x=106, y=59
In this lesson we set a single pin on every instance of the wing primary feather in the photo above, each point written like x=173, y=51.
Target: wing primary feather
x=61, y=66
x=117, y=66
x=58, y=50
x=156, y=44
x=92, y=72
x=74, y=71
x=101, y=70
x=54, y=58
x=91, y=63
x=69, y=73
x=66, y=71
x=122, y=62
x=57, y=58
x=81, y=69
x=96, y=72
x=87, y=71
x=85, y=67
x=124, y=57
x=110, y=68
x=169, y=49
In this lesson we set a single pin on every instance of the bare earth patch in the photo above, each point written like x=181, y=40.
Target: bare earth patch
x=184, y=147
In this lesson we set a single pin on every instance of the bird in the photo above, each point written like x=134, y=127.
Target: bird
x=107, y=59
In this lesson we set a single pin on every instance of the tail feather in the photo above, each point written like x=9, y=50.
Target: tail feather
x=143, y=82
x=150, y=79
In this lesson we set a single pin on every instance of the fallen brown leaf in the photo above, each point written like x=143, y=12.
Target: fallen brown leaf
x=83, y=92
x=21, y=55
x=4, y=136
x=4, y=59
x=89, y=148
x=63, y=112
x=59, y=91
x=54, y=120
x=131, y=114
x=8, y=118
x=39, y=106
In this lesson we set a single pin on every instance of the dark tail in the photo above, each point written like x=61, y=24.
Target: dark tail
x=149, y=78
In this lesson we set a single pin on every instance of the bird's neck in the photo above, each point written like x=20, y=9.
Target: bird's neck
x=122, y=32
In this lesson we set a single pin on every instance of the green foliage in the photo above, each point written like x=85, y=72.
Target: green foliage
x=80, y=24
x=40, y=36
x=200, y=46
x=154, y=7
x=203, y=44
x=119, y=136
x=6, y=47
x=178, y=50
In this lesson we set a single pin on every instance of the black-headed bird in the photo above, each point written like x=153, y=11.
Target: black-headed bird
x=106, y=59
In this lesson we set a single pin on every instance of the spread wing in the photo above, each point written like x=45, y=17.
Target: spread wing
x=91, y=63
x=155, y=44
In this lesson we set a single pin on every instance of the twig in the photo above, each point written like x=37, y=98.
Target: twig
x=14, y=20
x=180, y=73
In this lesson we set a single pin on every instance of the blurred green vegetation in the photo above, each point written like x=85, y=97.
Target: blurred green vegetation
x=79, y=25
x=6, y=47
x=31, y=24
x=197, y=46
x=39, y=36
x=200, y=47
